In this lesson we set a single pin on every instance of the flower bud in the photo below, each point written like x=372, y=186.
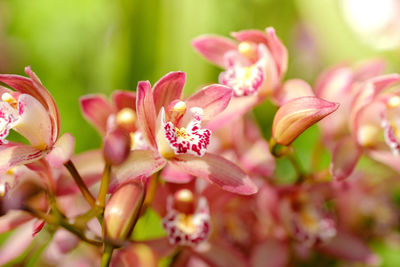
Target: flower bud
x=117, y=145
x=122, y=210
x=297, y=115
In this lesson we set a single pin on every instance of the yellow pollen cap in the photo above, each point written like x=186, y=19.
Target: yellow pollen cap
x=394, y=101
x=184, y=195
x=179, y=107
x=126, y=116
x=248, y=49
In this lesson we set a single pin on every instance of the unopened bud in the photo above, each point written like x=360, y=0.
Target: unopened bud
x=297, y=115
x=122, y=211
x=117, y=145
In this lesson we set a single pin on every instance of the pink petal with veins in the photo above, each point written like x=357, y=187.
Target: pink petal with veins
x=96, y=109
x=213, y=99
x=174, y=175
x=217, y=170
x=34, y=122
x=345, y=157
x=62, y=151
x=13, y=219
x=140, y=164
x=146, y=112
x=124, y=99
x=213, y=48
x=367, y=94
x=16, y=243
x=13, y=154
x=168, y=88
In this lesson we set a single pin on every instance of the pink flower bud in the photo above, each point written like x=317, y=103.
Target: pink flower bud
x=297, y=115
x=122, y=210
x=117, y=145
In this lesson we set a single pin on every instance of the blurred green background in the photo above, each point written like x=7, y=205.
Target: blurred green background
x=97, y=46
x=81, y=47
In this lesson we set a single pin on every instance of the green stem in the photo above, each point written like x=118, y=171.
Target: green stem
x=60, y=221
x=80, y=183
x=105, y=181
x=151, y=192
x=106, y=257
x=301, y=175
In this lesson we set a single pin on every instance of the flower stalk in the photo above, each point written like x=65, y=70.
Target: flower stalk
x=80, y=183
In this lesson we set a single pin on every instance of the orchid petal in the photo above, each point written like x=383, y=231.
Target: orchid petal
x=13, y=154
x=48, y=99
x=124, y=99
x=140, y=164
x=13, y=219
x=270, y=40
x=34, y=122
x=344, y=159
x=257, y=159
x=369, y=69
x=335, y=83
x=297, y=115
x=350, y=247
x=278, y=50
x=62, y=151
x=270, y=253
x=237, y=107
x=16, y=243
x=173, y=175
x=367, y=93
x=161, y=246
x=292, y=89
x=34, y=87
x=212, y=99
x=220, y=255
x=96, y=109
x=146, y=112
x=386, y=157
x=168, y=88
x=213, y=48
x=255, y=36
x=217, y=170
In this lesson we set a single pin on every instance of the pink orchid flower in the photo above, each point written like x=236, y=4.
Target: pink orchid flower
x=105, y=116
x=254, y=66
x=31, y=111
x=173, y=130
x=343, y=83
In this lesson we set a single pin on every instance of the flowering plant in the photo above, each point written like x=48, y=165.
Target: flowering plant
x=93, y=208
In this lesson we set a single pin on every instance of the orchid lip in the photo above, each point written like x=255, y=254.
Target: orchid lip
x=244, y=80
x=188, y=229
x=191, y=139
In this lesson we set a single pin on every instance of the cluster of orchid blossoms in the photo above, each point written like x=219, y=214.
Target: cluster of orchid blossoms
x=202, y=167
